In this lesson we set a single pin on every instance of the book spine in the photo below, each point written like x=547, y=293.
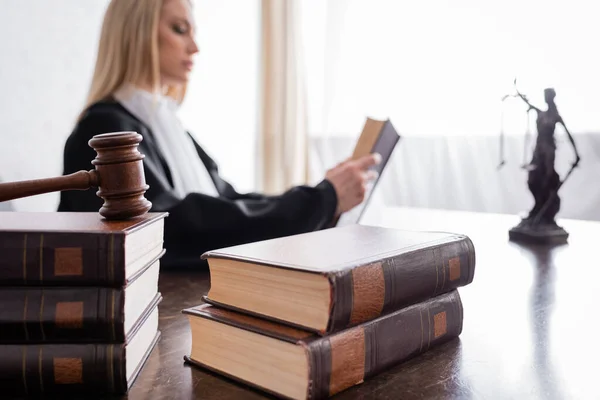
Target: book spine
x=349, y=357
x=67, y=368
x=62, y=258
x=68, y=314
x=368, y=291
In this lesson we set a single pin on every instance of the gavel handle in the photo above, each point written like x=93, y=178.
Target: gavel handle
x=80, y=180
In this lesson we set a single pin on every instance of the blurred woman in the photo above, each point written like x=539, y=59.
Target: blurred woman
x=144, y=60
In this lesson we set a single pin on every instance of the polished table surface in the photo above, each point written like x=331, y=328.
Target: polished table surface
x=531, y=317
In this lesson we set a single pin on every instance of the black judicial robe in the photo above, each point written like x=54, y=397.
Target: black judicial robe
x=198, y=222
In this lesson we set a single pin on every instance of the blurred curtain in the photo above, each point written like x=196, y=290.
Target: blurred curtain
x=282, y=156
x=439, y=69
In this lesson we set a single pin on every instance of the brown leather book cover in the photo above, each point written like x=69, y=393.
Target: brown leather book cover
x=66, y=248
x=372, y=270
x=77, y=314
x=64, y=315
x=378, y=136
x=85, y=369
x=347, y=358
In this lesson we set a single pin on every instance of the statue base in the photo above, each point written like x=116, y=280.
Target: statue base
x=543, y=233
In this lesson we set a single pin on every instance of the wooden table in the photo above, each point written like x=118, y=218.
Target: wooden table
x=531, y=316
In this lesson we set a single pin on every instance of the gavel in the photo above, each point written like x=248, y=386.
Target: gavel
x=118, y=175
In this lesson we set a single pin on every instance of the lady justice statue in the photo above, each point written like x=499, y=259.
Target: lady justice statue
x=540, y=226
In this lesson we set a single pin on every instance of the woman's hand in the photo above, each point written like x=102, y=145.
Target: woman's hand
x=350, y=179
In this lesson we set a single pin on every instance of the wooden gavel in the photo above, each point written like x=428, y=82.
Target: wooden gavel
x=118, y=174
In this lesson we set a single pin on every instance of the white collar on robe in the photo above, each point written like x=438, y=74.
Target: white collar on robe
x=159, y=113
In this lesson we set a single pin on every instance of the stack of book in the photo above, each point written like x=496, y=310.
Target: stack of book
x=310, y=315
x=79, y=298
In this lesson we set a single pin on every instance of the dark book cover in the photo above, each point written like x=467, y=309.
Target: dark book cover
x=371, y=270
x=73, y=314
x=377, y=137
x=347, y=358
x=85, y=369
x=74, y=248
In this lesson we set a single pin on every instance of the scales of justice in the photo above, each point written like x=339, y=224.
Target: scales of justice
x=540, y=226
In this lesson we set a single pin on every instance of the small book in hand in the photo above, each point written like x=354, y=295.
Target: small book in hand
x=377, y=137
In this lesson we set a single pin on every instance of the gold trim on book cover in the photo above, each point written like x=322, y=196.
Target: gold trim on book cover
x=437, y=270
x=25, y=317
x=68, y=371
x=454, y=267
x=443, y=268
x=109, y=358
x=368, y=293
x=421, y=318
x=24, y=370
x=42, y=316
x=40, y=370
x=111, y=258
x=112, y=314
x=347, y=359
x=428, y=329
x=119, y=375
x=68, y=261
x=69, y=314
x=42, y=258
x=25, y=258
x=439, y=324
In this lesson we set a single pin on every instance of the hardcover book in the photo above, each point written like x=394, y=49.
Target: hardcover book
x=377, y=137
x=298, y=364
x=62, y=369
x=63, y=314
x=76, y=248
x=332, y=279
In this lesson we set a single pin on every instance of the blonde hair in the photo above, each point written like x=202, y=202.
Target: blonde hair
x=128, y=50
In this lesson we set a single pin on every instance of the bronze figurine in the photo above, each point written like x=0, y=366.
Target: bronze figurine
x=540, y=226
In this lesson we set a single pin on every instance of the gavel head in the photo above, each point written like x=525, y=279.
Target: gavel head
x=120, y=175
